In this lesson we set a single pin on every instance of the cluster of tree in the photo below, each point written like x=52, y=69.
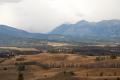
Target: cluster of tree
x=6, y=54
x=101, y=58
x=21, y=68
x=96, y=50
x=103, y=65
x=60, y=50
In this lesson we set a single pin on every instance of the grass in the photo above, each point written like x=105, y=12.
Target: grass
x=34, y=72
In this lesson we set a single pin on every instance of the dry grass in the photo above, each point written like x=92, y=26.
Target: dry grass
x=57, y=44
x=19, y=49
x=34, y=72
x=56, y=58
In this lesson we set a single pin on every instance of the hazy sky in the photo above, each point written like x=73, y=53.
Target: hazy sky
x=44, y=15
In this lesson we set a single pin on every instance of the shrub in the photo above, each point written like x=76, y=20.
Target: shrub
x=87, y=74
x=118, y=78
x=4, y=68
x=101, y=74
x=21, y=67
x=100, y=58
x=20, y=76
x=113, y=56
x=115, y=73
x=97, y=59
x=71, y=73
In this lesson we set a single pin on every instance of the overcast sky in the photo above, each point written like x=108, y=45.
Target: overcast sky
x=45, y=15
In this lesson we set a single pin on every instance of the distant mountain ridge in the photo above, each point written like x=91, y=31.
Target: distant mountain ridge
x=82, y=31
x=9, y=34
x=109, y=29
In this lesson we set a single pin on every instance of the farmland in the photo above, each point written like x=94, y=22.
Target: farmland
x=59, y=66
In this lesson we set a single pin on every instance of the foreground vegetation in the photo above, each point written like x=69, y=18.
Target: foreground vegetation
x=60, y=64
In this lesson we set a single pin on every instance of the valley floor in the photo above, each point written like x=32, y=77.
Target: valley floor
x=36, y=70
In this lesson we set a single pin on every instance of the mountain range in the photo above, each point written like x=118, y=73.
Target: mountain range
x=102, y=30
x=82, y=31
x=10, y=35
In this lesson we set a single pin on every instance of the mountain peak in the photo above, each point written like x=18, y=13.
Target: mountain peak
x=82, y=22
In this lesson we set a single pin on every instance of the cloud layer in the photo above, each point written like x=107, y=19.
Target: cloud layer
x=44, y=15
x=9, y=1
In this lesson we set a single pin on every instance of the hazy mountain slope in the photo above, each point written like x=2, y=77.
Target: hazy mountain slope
x=9, y=34
x=12, y=31
x=82, y=31
x=61, y=29
x=102, y=29
x=7, y=30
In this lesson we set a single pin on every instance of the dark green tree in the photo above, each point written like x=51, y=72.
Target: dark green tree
x=21, y=67
x=113, y=56
x=101, y=74
x=118, y=78
x=20, y=76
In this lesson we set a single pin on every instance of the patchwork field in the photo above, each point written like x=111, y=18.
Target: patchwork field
x=35, y=68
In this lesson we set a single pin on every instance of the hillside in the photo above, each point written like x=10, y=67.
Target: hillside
x=69, y=71
x=10, y=35
x=103, y=30
x=10, y=31
x=82, y=31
